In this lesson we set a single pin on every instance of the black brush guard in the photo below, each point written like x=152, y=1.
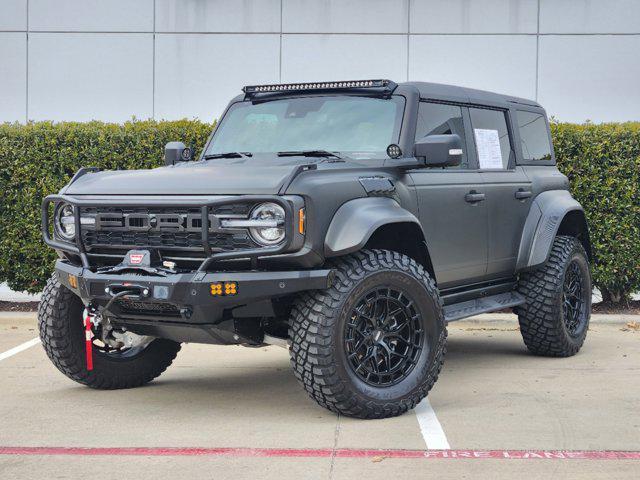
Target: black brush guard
x=186, y=310
x=78, y=247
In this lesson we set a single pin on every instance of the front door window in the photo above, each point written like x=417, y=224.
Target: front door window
x=441, y=119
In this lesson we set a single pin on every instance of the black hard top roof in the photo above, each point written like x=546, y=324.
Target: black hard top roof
x=438, y=90
x=426, y=90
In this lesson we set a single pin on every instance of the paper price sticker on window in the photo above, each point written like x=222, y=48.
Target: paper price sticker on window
x=488, y=145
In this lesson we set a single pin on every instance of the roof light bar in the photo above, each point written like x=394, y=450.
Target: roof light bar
x=288, y=87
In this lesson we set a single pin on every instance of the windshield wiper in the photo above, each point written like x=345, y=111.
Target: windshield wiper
x=211, y=156
x=309, y=153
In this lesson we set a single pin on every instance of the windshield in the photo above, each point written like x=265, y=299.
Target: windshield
x=360, y=127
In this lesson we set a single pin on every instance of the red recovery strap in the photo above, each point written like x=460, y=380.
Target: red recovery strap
x=88, y=342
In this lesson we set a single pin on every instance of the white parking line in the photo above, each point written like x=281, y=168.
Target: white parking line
x=430, y=427
x=19, y=348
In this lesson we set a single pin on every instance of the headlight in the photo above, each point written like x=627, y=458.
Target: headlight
x=64, y=222
x=272, y=215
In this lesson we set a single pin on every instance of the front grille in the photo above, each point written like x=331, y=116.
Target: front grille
x=219, y=242
x=108, y=244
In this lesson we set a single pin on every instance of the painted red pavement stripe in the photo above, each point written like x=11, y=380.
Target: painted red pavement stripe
x=328, y=452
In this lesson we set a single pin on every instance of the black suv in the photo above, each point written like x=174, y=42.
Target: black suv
x=347, y=221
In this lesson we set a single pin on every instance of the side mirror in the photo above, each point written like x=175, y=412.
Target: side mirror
x=440, y=150
x=176, y=152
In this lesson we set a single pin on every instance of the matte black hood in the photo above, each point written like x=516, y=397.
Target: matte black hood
x=217, y=177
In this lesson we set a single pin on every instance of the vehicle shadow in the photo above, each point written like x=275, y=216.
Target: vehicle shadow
x=275, y=386
x=269, y=386
x=466, y=347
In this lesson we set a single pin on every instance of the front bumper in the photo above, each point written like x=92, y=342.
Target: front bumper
x=185, y=299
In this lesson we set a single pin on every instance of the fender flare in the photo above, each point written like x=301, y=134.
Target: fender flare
x=541, y=226
x=356, y=220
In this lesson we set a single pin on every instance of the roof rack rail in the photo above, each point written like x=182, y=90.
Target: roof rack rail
x=386, y=86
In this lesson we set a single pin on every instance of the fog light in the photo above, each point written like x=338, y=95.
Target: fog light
x=230, y=288
x=216, y=289
x=224, y=288
x=73, y=281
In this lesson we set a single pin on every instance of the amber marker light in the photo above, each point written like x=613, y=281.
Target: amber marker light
x=73, y=281
x=301, y=221
x=230, y=288
x=216, y=289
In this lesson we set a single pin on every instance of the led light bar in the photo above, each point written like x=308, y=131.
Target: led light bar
x=289, y=87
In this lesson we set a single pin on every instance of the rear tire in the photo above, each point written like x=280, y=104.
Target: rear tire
x=62, y=335
x=555, y=318
x=373, y=344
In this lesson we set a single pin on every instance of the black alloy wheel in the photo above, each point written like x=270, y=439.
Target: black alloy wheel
x=573, y=298
x=383, y=338
x=102, y=348
x=373, y=343
x=554, y=320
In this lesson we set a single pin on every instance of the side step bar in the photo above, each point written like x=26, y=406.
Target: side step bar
x=457, y=311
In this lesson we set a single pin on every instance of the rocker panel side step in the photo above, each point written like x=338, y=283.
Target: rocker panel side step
x=458, y=311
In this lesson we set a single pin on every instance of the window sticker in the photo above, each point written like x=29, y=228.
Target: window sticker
x=488, y=145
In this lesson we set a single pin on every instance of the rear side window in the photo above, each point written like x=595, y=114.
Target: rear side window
x=534, y=136
x=441, y=119
x=491, y=135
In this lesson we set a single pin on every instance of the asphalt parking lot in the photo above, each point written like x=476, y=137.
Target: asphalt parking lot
x=233, y=412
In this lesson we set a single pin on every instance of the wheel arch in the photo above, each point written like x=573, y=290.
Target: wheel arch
x=552, y=213
x=406, y=238
x=574, y=224
x=377, y=223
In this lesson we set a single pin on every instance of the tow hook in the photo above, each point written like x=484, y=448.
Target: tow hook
x=89, y=320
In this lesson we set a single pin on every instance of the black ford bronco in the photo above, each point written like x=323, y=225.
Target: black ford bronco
x=346, y=221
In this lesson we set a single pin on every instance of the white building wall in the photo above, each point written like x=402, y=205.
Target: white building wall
x=117, y=59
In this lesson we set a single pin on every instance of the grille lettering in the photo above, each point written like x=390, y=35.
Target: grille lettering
x=138, y=222
x=143, y=222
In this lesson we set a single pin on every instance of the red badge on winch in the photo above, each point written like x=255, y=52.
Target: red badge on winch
x=136, y=258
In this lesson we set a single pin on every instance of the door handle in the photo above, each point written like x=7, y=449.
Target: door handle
x=474, y=197
x=522, y=194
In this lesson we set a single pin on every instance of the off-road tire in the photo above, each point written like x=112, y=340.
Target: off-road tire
x=316, y=328
x=62, y=335
x=541, y=318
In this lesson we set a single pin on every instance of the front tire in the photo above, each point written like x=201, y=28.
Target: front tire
x=62, y=334
x=373, y=344
x=555, y=318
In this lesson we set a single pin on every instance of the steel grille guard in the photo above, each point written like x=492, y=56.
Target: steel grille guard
x=78, y=248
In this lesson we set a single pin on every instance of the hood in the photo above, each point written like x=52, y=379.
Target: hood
x=214, y=177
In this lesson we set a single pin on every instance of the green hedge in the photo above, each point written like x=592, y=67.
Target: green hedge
x=603, y=166
x=37, y=159
x=602, y=162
